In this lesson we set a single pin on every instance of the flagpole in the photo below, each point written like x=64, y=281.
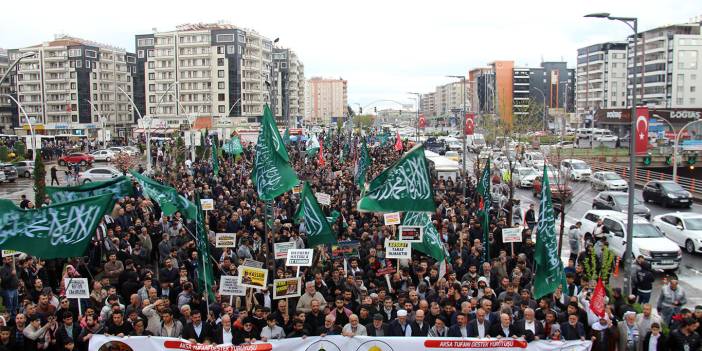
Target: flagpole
x=204, y=265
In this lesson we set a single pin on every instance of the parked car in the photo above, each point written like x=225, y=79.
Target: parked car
x=523, y=177
x=575, y=169
x=619, y=201
x=605, y=180
x=684, y=228
x=116, y=149
x=534, y=159
x=76, y=157
x=648, y=241
x=24, y=168
x=10, y=172
x=436, y=145
x=103, y=155
x=453, y=156
x=667, y=193
x=560, y=192
x=132, y=150
x=98, y=174
x=2, y=177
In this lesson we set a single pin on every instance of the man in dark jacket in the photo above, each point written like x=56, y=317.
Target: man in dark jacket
x=505, y=328
x=378, y=327
x=419, y=326
x=400, y=326
x=529, y=327
x=460, y=329
x=684, y=338
x=8, y=285
x=68, y=330
x=197, y=330
x=573, y=330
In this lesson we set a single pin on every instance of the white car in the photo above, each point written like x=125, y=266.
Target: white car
x=132, y=150
x=684, y=228
x=523, y=177
x=534, y=159
x=98, y=174
x=608, y=181
x=575, y=169
x=648, y=241
x=103, y=155
x=117, y=150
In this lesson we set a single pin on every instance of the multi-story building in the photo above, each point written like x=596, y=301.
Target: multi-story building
x=327, y=100
x=69, y=83
x=668, y=66
x=557, y=82
x=428, y=105
x=502, y=88
x=482, y=90
x=521, y=95
x=601, y=79
x=288, y=88
x=450, y=97
x=5, y=105
x=213, y=70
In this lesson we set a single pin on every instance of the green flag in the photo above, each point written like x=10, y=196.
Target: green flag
x=215, y=158
x=547, y=265
x=404, y=186
x=286, y=136
x=119, y=187
x=61, y=230
x=271, y=172
x=484, y=207
x=204, y=268
x=312, y=146
x=431, y=241
x=362, y=165
x=316, y=225
x=233, y=146
x=167, y=197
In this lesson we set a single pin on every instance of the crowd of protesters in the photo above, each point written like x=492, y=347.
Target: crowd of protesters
x=142, y=270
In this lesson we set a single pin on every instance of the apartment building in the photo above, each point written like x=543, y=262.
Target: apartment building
x=69, y=83
x=327, y=100
x=6, y=114
x=288, y=88
x=428, y=105
x=482, y=90
x=521, y=91
x=668, y=66
x=601, y=79
x=450, y=97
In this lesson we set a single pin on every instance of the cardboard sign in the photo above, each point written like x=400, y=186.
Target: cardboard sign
x=392, y=218
x=281, y=249
x=299, y=258
x=252, y=263
x=398, y=249
x=323, y=199
x=411, y=233
x=388, y=269
x=251, y=277
x=207, y=204
x=512, y=235
x=297, y=189
x=225, y=240
x=77, y=288
x=8, y=253
x=284, y=288
x=345, y=249
x=229, y=285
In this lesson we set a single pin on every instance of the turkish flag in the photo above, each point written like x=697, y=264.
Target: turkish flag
x=597, y=301
x=469, y=123
x=422, y=121
x=320, y=153
x=641, y=136
x=398, y=142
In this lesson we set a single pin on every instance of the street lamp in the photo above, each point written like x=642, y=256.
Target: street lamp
x=632, y=22
x=148, y=147
x=103, y=120
x=26, y=117
x=419, y=99
x=463, y=92
x=9, y=68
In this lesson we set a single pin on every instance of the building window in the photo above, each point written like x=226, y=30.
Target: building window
x=152, y=98
x=220, y=50
x=692, y=101
x=242, y=38
x=74, y=52
x=220, y=97
x=90, y=53
x=152, y=76
x=150, y=53
x=220, y=73
x=145, y=42
x=152, y=87
x=220, y=62
x=687, y=59
x=220, y=85
x=680, y=101
x=140, y=53
x=151, y=64
x=231, y=49
x=221, y=109
x=224, y=38
x=692, y=88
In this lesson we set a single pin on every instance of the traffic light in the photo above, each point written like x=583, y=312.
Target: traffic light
x=360, y=110
x=647, y=160
x=375, y=109
x=691, y=159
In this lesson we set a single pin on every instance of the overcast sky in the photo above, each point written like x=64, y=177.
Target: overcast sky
x=383, y=48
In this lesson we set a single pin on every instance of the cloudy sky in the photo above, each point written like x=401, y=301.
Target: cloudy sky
x=383, y=48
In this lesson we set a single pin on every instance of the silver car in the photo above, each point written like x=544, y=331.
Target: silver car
x=98, y=174
x=604, y=181
x=24, y=168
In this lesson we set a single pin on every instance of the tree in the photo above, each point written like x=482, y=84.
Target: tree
x=364, y=122
x=124, y=162
x=180, y=150
x=529, y=117
x=4, y=153
x=39, y=179
x=20, y=150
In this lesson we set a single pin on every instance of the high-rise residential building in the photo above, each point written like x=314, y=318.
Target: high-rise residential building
x=521, y=95
x=480, y=81
x=288, y=93
x=215, y=70
x=428, y=105
x=5, y=105
x=70, y=82
x=503, y=91
x=327, y=100
x=601, y=79
x=669, y=67
x=557, y=82
x=449, y=98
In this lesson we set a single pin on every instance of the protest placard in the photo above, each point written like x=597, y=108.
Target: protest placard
x=280, y=250
x=323, y=199
x=284, y=288
x=299, y=257
x=392, y=218
x=512, y=235
x=207, y=204
x=251, y=277
x=411, y=233
x=345, y=249
x=229, y=285
x=225, y=239
x=398, y=249
x=77, y=288
x=252, y=263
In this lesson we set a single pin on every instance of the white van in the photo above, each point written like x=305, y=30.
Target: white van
x=649, y=242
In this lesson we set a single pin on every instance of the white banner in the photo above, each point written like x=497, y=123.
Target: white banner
x=229, y=285
x=225, y=240
x=299, y=257
x=323, y=199
x=280, y=250
x=398, y=249
x=77, y=288
x=337, y=343
x=512, y=235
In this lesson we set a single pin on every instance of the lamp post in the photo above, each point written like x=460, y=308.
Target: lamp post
x=9, y=68
x=148, y=145
x=632, y=22
x=463, y=92
x=26, y=117
x=102, y=119
x=419, y=102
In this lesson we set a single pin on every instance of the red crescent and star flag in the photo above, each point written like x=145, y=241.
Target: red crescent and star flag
x=641, y=136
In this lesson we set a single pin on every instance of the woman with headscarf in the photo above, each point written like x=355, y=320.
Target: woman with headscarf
x=68, y=273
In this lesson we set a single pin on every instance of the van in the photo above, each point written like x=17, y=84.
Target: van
x=648, y=241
